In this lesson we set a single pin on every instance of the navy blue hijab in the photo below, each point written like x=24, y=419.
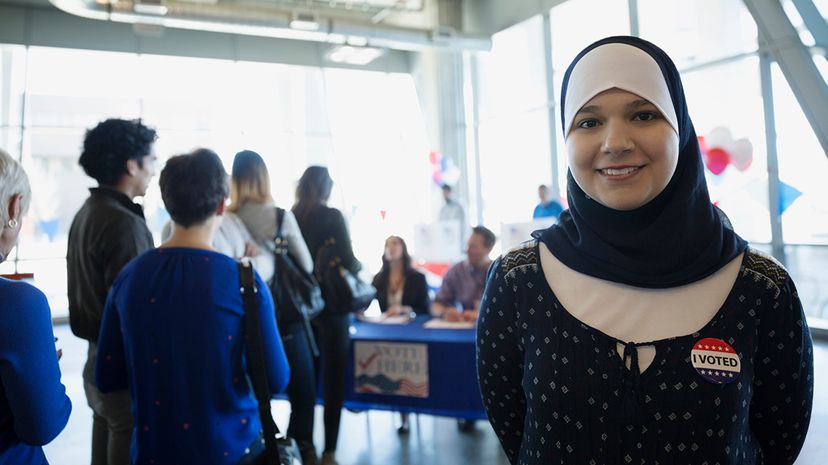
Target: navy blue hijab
x=677, y=238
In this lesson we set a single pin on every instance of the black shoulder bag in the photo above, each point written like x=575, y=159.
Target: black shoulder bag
x=343, y=290
x=278, y=450
x=295, y=291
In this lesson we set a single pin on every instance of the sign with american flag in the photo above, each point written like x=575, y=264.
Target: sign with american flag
x=715, y=360
x=391, y=368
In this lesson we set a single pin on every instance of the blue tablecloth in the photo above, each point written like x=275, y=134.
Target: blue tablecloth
x=452, y=372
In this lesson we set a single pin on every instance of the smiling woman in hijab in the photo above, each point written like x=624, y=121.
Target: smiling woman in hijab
x=641, y=328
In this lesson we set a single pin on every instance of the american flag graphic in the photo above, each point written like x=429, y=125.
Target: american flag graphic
x=381, y=384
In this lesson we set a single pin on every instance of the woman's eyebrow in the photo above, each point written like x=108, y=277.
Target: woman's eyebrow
x=639, y=103
x=593, y=109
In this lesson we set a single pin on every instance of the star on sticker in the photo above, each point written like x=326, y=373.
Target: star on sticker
x=720, y=347
x=706, y=347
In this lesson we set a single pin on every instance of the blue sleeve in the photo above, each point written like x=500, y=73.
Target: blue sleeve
x=784, y=379
x=29, y=367
x=537, y=212
x=110, y=365
x=500, y=362
x=278, y=371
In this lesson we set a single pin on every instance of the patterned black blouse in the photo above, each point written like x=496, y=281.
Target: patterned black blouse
x=557, y=392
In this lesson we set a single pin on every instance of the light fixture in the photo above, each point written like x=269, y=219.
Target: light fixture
x=304, y=21
x=150, y=7
x=352, y=55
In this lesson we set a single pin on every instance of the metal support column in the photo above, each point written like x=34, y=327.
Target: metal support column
x=777, y=241
x=550, y=106
x=808, y=85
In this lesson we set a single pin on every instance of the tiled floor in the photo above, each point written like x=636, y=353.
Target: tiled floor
x=370, y=438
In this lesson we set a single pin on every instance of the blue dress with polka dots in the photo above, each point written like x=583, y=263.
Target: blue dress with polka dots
x=172, y=333
x=557, y=392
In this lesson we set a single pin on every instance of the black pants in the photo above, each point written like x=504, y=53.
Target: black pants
x=301, y=389
x=334, y=344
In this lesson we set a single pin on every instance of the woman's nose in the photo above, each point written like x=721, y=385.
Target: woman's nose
x=617, y=139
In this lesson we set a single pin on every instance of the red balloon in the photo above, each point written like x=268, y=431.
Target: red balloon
x=716, y=160
x=433, y=157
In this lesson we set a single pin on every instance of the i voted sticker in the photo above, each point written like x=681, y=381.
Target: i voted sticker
x=715, y=361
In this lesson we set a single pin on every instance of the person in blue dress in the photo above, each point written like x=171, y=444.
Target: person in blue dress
x=173, y=333
x=641, y=328
x=34, y=407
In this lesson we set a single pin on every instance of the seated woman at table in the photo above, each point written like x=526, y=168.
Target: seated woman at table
x=400, y=288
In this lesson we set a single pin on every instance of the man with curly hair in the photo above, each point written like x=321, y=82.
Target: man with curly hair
x=108, y=231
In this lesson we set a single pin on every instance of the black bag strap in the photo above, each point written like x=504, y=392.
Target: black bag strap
x=280, y=221
x=280, y=241
x=256, y=361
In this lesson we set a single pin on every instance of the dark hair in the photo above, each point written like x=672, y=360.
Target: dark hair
x=193, y=186
x=314, y=189
x=446, y=187
x=543, y=186
x=108, y=146
x=386, y=265
x=488, y=236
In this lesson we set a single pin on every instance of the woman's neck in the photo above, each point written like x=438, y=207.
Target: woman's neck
x=199, y=236
x=396, y=267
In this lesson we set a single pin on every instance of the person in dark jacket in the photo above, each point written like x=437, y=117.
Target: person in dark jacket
x=34, y=407
x=107, y=232
x=319, y=223
x=400, y=288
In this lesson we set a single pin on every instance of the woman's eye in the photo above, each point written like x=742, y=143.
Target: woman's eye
x=646, y=116
x=588, y=123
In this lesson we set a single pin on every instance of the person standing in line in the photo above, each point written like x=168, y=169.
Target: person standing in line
x=641, y=328
x=107, y=232
x=34, y=407
x=548, y=207
x=252, y=203
x=173, y=331
x=319, y=223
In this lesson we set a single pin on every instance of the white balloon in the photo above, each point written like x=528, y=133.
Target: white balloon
x=719, y=137
x=741, y=154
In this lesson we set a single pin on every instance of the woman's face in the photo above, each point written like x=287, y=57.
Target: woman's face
x=622, y=151
x=393, y=249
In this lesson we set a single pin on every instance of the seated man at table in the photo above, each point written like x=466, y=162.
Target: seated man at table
x=459, y=296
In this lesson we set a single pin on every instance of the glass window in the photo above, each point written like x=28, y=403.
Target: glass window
x=375, y=125
x=12, y=84
x=380, y=156
x=511, y=75
x=803, y=168
x=697, y=31
x=514, y=161
x=513, y=129
x=725, y=103
x=575, y=25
